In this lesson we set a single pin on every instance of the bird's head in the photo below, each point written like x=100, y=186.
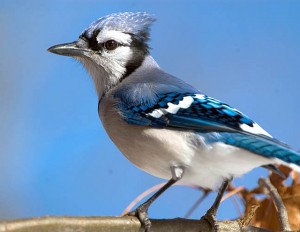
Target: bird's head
x=111, y=48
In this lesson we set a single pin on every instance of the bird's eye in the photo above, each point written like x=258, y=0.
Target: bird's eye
x=111, y=45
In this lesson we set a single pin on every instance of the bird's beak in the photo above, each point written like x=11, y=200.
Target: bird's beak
x=68, y=49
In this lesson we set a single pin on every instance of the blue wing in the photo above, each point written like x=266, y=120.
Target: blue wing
x=198, y=112
x=191, y=111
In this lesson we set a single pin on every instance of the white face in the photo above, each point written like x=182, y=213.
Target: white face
x=118, y=36
x=108, y=64
x=116, y=52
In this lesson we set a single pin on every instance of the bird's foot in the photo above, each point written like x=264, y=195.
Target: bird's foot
x=211, y=218
x=141, y=213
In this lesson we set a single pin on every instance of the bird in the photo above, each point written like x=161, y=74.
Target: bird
x=163, y=125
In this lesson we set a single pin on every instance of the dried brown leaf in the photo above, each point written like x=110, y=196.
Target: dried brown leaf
x=266, y=215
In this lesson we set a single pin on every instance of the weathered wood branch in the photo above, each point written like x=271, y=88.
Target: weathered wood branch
x=282, y=213
x=115, y=224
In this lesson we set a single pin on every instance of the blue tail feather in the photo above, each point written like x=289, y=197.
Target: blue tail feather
x=263, y=146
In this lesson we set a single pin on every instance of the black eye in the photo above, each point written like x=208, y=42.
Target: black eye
x=111, y=45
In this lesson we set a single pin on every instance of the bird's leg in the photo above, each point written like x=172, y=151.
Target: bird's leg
x=142, y=211
x=210, y=215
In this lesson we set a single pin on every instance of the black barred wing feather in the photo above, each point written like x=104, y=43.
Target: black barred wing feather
x=191, y=111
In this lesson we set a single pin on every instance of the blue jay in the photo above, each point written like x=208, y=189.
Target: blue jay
x=161, y=124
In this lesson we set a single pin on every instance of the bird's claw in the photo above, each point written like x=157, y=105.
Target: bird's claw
x=212, y=221
x=142, y=214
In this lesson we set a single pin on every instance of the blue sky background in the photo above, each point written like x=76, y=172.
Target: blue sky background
x=55, y=157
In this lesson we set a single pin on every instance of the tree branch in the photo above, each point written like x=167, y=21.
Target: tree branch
x=114, y=224
x=282, y=213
